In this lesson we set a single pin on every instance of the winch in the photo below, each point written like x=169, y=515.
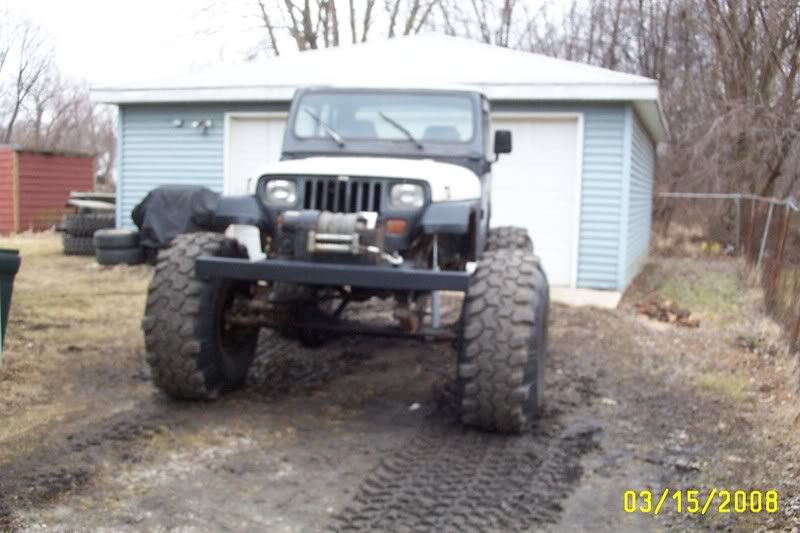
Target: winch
x=326, y=236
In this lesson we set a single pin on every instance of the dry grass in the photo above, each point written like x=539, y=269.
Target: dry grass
x=68, y=315
x=730, y=387
x=712, y=289
x=687, y=240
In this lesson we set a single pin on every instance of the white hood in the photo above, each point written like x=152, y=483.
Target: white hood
x=448, y=182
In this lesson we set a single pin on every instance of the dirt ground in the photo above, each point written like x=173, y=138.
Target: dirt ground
x=362, y=434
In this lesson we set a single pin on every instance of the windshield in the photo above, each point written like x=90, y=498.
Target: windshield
x=417, y=118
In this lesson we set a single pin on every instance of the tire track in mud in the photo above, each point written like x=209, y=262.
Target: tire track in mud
x=444, y=478
x=71, y=452
x=283, y=366
x=452, y=479
x=69, y=455
x=69, y=460
x=448, y=478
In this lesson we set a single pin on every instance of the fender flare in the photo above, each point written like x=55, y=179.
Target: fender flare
x=240, y=210
x=448, y=217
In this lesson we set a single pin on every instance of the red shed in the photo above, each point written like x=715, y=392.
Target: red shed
x=35, y=185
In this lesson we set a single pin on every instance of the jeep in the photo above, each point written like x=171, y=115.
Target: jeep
x=378, y=194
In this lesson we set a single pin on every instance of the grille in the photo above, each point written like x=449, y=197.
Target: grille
x=350, y=196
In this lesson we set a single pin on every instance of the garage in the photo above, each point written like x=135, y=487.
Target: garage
x=253, y=140
x=545, y=161
x=582, y=135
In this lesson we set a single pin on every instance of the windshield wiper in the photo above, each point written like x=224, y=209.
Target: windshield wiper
x=329, y=131
x=401, y=128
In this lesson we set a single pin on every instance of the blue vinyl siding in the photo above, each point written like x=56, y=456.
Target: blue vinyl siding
x=601, y=197
x=153, y=152
x=601, y=186
x=640, y=199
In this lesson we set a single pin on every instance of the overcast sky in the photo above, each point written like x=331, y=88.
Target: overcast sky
x=107, y=42
x=113, y=41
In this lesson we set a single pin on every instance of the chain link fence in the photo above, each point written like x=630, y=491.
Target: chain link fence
x=763, y=231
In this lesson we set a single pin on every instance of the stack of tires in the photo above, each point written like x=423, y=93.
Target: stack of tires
x=79, y=229
x=118, y=247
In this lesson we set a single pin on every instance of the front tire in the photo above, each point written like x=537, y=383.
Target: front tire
x=509, y=238
x=501, y=355
x=191, y=352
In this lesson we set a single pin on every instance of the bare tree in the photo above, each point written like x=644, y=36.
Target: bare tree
x=269, y=26
x=408, y=17
x=353, y=34
x=367, y=20
x=43, y=110
x=28, y=59
x=5, y=41
x=313, y=24
x=756, y=47
x=729, y=69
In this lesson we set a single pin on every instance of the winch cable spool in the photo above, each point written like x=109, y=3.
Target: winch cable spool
x=338, y=223
x=332, y=228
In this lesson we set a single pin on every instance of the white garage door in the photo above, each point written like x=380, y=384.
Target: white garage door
x=253, y=141
x=536, y=186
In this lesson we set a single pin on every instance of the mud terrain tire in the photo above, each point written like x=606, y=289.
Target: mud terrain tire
x=501, y=356
x=119, y=256
x=191, y=354
x=84, y=225
x=115, y=239
x=509, y=238
x=77, y=245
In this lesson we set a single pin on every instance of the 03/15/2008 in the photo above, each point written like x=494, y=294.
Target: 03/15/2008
x=693, y=502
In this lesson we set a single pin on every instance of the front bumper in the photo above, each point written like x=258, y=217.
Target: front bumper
x=331, y=274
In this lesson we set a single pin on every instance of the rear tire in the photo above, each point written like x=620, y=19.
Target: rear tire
x=190, y=351
x=77, y=245
x=84, y=225
x=114, y=239
x=119, y=256
x=509, y=238
x=501, y=356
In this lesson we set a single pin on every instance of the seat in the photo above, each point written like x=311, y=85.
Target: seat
x=441, y=133
x=360, y=129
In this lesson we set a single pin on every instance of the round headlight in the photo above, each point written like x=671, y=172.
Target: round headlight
x=281, y=193
x=407, y=195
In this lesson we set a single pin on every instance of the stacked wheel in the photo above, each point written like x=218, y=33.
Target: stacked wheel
x=504, y=341
x=79, y=229
x=118, y=247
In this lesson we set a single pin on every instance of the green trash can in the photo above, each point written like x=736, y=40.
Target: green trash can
x=9, y=266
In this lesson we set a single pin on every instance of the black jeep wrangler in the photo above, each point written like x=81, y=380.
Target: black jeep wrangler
x=379, y=193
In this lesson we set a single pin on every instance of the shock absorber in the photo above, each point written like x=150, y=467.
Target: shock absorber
x=435, y=297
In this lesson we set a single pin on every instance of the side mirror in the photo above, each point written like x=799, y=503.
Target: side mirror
x=502, y=142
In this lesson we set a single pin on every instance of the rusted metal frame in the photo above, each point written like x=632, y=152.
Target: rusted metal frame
x=371, y=329
x=777, y=263
x=436, y=300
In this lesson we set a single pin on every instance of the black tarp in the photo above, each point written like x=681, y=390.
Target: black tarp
x=170, y=210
